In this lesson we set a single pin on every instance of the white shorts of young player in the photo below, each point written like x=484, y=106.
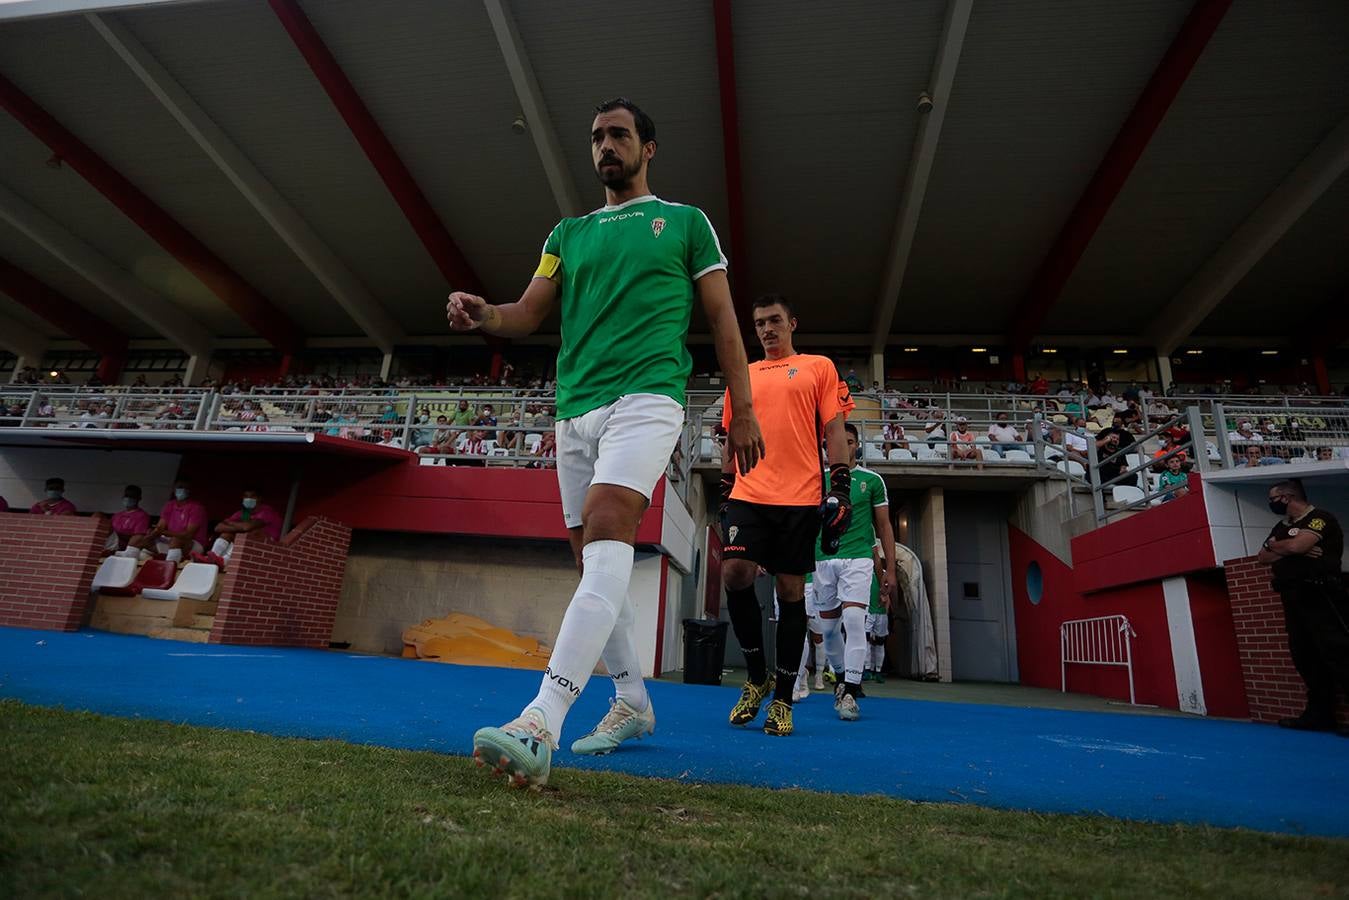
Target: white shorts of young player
x=627, y=443
x=840, y=581
x=878, y=624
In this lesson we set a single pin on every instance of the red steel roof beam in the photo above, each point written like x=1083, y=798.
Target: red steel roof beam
x=61, y=312
x=382, y=155
x=1115, y=168
x=730, y=143
x=256, y=310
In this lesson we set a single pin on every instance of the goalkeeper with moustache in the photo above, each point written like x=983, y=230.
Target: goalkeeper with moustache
x=772, y=516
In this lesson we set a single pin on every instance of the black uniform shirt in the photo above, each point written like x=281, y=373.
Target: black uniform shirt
x=1331, y=544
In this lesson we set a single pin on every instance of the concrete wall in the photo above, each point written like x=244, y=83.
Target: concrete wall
x=929, y=514
x=1043, y=514
x=397, y=580
x=94, y=481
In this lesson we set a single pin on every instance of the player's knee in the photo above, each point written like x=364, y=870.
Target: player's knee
x=738, y=574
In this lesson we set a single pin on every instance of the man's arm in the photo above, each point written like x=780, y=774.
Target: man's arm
x=744, y=443
x=1301, y=544
x=467, y=312
x=881, y=517
x=836, y=441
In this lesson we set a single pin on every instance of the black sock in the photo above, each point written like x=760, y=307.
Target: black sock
x=747, y=620
x=791, y=636
x=850, y=688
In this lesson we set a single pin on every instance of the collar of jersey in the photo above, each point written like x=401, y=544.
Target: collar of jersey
x=642, y=199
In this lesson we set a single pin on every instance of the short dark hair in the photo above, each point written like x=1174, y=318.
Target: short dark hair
x=852, y=430
x=57, y=483
x=1291, y=486
x=132, y=490
x=646, y=128
x=773, y=300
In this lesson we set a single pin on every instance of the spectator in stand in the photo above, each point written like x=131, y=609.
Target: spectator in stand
x=476, y=445
x=462, y=416
x=55, y=503
x=935, y=427
x=893, y=435
x=1248, y=456
x=1173, y=480
x=1075, y=442
x=852, y=381
x=1325, y=454
x=389, y=438
x=486, y=418
x=1170, y=441
x=1039, y=387
x=247, y=413
x=253, y=515
x=963, y=447
x=1245, y=434
x=1112, y=440
x=181, y=527
x=1003, y=434
x=388, y=416
x=128, y=522
x=259, y=424
x=424, y=434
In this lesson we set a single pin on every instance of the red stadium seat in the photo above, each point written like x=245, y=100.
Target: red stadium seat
x=157, y=574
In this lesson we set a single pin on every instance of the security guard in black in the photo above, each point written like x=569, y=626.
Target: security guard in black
x=1304, y=550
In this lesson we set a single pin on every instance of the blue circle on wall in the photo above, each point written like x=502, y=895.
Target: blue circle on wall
x=1035, y=582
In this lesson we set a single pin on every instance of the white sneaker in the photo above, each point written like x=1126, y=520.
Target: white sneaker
x=819, y=679
x=847, y=708
x=800, y=690
x=619, y=723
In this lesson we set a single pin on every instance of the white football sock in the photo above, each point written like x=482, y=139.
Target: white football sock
x=855, y=651
x=586, y=629
x=877, y=656
x=833, y=642
x=621, y=660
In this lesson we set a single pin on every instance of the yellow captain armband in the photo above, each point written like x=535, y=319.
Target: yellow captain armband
x=549, y=266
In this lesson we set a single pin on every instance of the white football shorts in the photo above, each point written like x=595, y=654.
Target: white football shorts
x=627, y=443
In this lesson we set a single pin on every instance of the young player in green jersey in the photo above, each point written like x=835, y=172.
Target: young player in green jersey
x=843, y=579
x=626, y=276
x=878, y=622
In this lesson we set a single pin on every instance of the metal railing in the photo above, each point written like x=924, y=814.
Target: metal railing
x=1099, y=641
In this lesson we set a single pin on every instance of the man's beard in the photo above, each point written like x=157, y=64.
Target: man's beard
x=619, y=178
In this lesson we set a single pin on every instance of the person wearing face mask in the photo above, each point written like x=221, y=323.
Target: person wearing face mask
x=252, y=515
x=128, y=522
x=55, y=502
x=181, y=527
x=1304, y=551
x=425, y=433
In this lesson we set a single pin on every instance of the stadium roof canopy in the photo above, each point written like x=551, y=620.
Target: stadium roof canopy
x=250, y=173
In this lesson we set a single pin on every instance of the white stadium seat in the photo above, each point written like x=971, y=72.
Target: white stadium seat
x=1018, y=456
x=115, y=571
x=990, y=455
x=1123, y=493
x=874, y=453
x=195, y=582
x=899, y=454
x=923, y=451
x=1072, y=467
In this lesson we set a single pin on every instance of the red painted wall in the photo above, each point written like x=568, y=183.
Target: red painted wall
x=1037, y=629
x=283, y=594
x=47, y=566
x=1273, y=686
x=1162, y=542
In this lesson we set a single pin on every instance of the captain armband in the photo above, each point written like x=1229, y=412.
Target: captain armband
x=549, y=266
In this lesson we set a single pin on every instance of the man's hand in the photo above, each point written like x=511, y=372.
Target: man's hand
x=1315, y=552
x=887, y=589
x=466, y=312
x=744, y=442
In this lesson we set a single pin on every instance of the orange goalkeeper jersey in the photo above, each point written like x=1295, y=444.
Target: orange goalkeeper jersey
x=793, y=398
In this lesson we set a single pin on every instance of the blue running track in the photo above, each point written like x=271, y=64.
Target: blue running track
x=1162, y=769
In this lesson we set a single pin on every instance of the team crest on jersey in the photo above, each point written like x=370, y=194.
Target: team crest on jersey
x=1317, y=524
x=791, y=373
x=657, y=226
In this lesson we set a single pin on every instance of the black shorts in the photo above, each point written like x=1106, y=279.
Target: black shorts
x=779, y=538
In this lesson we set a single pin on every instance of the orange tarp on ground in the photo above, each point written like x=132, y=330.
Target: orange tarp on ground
x=469, y=641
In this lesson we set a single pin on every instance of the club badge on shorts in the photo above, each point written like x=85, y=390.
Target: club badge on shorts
x=657, y=226
x=733, y=531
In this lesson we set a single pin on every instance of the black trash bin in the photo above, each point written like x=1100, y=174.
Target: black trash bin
x=704, y=650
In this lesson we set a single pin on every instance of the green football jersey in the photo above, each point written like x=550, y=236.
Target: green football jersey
x=876, y=608
x=626, y=277
x=868, y=492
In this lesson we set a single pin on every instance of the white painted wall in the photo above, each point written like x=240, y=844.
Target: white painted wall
x=94, y=480
x=1239, y=516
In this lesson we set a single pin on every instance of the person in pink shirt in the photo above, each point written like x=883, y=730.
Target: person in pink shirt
x=55, y=503
x=181, y=527
x=130, y=521
x=252, y=515
x=962, y=442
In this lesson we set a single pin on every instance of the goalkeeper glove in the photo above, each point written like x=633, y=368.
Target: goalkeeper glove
x=836, y=511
